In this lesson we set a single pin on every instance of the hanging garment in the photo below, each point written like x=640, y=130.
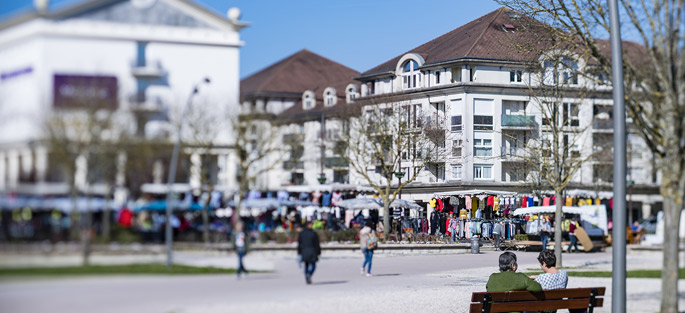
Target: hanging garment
x=440, y=205
x=545, y=201
x=454, y=201
x=531, y=202
x=497, y=204
x=336, y=198
x=569, y=201
x=524, y=203
x=433, y=203
x=467, y=202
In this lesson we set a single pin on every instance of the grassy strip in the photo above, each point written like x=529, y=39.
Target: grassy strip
x=142, y=269
x=607, y=274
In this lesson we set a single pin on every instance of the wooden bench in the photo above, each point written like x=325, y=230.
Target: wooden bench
x=519, y=301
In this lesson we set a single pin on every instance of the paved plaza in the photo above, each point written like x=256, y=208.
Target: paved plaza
x=418, y=282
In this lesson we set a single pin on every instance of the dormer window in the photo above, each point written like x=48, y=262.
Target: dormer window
x=351, y=93
x=329, y=97
x=308, y=100
x=411, y=77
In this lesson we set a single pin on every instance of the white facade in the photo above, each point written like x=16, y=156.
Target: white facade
x=470, y=89
x=156, y=51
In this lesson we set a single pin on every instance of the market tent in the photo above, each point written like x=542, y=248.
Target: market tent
x=361, y=203
x=406, y=204
x=476, y=192
x=595, y=215
x=160, y=205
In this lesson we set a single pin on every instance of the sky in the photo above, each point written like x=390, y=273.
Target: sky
x=360, y=34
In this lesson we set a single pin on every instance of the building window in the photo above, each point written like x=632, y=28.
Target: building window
x=456, y=172
x=329, y=98
x=411, y=77
x=515, y=76
x=440, y=172
x=411, y=115
x=308, y=100
x=571, y=117
x=456, y=148
x=437, y=77
x=482, y=147
x=482, y=171
x=456, y=123
x=482, y=122
x=456, y=74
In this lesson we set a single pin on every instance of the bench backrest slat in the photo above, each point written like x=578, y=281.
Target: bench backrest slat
x=571, y=293
x=508, y=301
x=536, y=305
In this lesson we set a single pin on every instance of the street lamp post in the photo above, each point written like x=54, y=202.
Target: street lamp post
x=399, y=176
x=172, y=175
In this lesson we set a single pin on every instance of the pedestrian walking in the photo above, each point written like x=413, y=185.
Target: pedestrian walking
x=308, y=249
x=572, y=235
x=240, y=246
x=368, y=241
x=545, y=232
x=497, y=232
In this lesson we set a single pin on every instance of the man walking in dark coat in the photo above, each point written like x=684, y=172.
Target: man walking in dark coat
x=308, y=249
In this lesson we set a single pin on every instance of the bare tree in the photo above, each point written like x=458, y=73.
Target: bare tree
x=258, y=149
x=386, y=134
x=205, y=124
x=654, y=83
x=80, y=132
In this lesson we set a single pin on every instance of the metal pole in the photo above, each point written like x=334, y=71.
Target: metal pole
x=172, y=176
x=618, y=276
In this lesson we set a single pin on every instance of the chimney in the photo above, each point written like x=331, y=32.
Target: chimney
x=41, y=5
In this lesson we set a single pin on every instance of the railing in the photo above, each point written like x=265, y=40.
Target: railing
x=511, y=153
x=518, y=121
x=293, y=165
x=598, y=123
x=293, y=138
x=147, y=69
x=335, y=162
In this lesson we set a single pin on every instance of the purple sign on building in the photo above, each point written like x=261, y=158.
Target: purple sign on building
x=81, y=91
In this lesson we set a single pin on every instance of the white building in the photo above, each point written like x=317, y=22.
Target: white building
x=143, y=57
x=476, y=79
x=301, y=91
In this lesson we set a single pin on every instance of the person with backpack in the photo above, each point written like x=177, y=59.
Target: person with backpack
x=368, y=242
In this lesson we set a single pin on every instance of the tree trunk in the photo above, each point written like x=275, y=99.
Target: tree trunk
x=205, y=217
x=386, y=219
x=558, y=216
x=106, y=218
x=669, y=273
x=85, y=233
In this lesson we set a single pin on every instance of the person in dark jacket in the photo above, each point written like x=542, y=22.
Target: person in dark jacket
x=507, y=279
x=308, y=249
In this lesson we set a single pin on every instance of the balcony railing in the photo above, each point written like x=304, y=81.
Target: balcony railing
x=147, y=69
x=518, y=121
x=289, y=165
x=603, y=123
x=335, y=162
x=511, y=154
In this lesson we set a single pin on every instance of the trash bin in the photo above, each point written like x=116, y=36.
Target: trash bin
x=475, y=245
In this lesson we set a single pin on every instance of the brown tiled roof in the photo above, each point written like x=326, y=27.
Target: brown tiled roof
x=502, y=34
x=297, y=73
x=484, y=37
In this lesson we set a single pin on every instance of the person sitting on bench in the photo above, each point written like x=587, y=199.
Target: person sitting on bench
x=507, y=279
x=552, y=278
